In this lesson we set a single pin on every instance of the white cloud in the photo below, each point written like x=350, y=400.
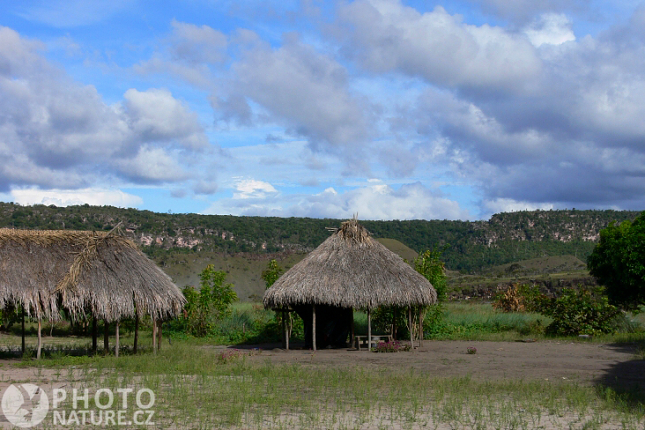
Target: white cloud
x=379, y=202
x=155, y=115
x=303, y=90
x=57, y=133
x=550, y=28
x=510, y=205
x=196, y=44
x=91, y=196
x=151, y=165
x=251, y=188
x=385, y=36
x=523, y=11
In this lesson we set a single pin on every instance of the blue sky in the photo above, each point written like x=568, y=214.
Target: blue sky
x=388, y=109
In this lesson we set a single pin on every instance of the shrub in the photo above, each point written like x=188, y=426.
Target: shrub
x=520, y=298
x=206, y=307
x=510, y=300
x=585, y=311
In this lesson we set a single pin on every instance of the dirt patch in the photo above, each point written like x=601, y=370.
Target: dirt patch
x=583, y=362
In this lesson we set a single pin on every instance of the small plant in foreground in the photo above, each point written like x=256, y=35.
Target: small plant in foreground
x=471, y=350
x=391, y=346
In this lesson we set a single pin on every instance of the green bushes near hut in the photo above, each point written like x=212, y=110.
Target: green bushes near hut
x=206, y=307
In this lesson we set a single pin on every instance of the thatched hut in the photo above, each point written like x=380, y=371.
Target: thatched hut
x=84, y=273
x=348, y=270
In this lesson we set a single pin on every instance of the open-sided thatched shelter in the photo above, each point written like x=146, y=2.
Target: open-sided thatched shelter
x=350, y=270
x=84, y=273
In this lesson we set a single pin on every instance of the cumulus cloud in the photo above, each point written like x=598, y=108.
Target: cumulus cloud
x=550, y=28
x=252, y=189
x=151, y=165
x=91, y=196
x=301, y=89
x=510, y=205
x=155, y=115
x=189, y=53
x=574, y=139
x=57, y=133
x=197, y=44
x=522, y=11
x=386, y=36
x=378, y=201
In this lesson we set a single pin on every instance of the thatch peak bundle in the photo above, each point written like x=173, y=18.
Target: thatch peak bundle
x=351, y=230
x=351, y=270
x=82, y=272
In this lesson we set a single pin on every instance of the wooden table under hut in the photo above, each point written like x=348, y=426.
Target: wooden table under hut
x=84, y=273
x=350, y=270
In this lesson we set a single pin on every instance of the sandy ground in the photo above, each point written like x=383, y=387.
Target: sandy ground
x=612, y=365
x=583, y=361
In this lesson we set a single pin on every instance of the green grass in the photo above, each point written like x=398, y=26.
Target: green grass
x=251, y=323
x=201, y=386
x=195, y=390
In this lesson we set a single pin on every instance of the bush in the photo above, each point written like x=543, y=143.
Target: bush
x=585, y=311
x=206, y=307
x=521, y=298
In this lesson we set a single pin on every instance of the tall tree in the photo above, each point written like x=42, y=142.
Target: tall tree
x=618, y=262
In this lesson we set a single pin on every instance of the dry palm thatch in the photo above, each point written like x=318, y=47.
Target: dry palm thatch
x=82, y=272
x=350, y=269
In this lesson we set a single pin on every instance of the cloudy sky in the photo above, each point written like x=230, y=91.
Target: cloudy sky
x=391, y=109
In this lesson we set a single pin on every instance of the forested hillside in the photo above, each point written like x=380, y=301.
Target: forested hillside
x=468, y=246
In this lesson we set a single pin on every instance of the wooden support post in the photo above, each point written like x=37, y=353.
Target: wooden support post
x=285, y=331
x=154, y=335
x=420, y=326
x=313, y=326
x=40, y=341
x=394, y=327
x=352, y=333
x=369, y=329
x=116, y=341
x=23, y=330
x=411, y=328
x=160, y=325
x=95, y=335
x=136, y=333
x=106, y=337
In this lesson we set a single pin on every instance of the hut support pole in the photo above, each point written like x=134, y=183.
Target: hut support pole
x=420, y=326
x=116, y=341
x=136, y=333
x=160, y=325
x=23, y=330
x=95, y=335
x=351, y=331
x=40, y=340
x=411, y=328
x=154, y=335
x=313, y=326
x=285, y=331
x=369, y=329
x=106, y=337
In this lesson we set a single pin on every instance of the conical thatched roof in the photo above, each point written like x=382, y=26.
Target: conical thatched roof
x=96, y=272
x=350, y=269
